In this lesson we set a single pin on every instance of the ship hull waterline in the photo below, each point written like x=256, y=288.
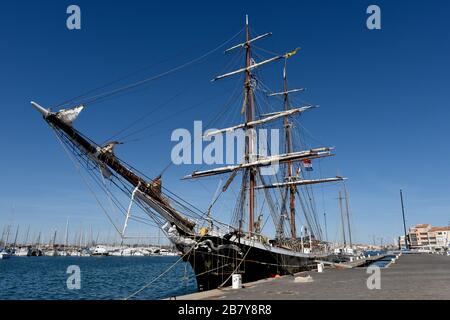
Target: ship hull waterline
x=217, y=259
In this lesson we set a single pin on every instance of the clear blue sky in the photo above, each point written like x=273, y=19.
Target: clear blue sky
x=383, y=94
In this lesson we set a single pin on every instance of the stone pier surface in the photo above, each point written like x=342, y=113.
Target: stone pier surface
x=412, y=276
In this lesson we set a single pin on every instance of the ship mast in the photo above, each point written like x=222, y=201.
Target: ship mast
x=348, y=217
x=342, y=218
x=287, y=128
x=252, y=162
x=249, y=147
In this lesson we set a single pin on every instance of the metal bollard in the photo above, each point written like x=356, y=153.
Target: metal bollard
x=236, y=281
x=320, y=267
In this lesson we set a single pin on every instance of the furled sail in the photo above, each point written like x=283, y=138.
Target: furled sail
x=267, y=161
x=299, y=183
x=69, y=115
x=271, y=117
x=285, y=92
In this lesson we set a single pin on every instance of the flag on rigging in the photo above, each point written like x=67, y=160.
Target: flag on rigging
x=308, y=165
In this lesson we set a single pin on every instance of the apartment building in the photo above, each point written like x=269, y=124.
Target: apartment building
x=422, y=235
x=442, y=236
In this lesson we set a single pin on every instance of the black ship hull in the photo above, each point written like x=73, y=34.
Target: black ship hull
x=215, y=259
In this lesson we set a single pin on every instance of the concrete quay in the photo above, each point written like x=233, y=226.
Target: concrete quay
x=411, y=276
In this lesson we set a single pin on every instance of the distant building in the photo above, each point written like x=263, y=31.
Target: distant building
x=401, y=242
x=425, y=235
x=442, y=236
x=419, y=235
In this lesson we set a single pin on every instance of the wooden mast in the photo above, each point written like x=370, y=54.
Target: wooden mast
x=251, y=161
x=287, y=129
x=348, y=217
x=342, y=218
x=249, y=117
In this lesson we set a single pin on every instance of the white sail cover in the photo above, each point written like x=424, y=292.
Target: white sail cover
x=270, y=117
x=266, y=161
x=69, y=115
x=299, y=183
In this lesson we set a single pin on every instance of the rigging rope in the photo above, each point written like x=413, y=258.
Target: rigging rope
x=232, y=98
x=237, y=267
x=95, y=98
x=95, y=178
x=66, y=102
x=158, y=277
x=166, y=271
x=142, y=117
x=85, y=181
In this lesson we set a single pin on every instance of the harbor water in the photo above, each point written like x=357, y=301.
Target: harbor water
x=383, y=262
x=45, y=278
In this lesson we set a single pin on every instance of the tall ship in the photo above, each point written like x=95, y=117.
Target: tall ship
x=216, y=249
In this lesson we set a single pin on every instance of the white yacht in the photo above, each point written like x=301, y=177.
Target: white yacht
x=62, y=253
x=139, y=253
x=50, y=253
x=100, y=251
x=22, y=252
x=127, y=252
x=4, y=254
